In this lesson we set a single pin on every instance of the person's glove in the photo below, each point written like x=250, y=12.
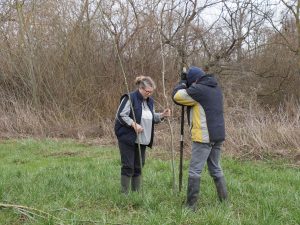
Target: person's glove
x=183, y=75
x=183, y=78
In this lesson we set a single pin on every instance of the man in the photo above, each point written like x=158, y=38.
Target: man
x=201, y=93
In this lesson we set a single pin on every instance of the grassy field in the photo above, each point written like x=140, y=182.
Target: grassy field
x=63, y=182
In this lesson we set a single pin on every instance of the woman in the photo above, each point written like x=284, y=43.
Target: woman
x=134, y=127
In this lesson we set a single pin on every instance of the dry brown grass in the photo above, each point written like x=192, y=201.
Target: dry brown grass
x=21, y=120
x=258, y=133
x=252, y=132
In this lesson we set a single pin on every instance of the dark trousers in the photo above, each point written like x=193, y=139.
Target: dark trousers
x=130, y=159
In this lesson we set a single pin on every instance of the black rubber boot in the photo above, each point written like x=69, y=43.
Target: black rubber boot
x=221, y=188
x=193, y=192
x=125, y=181
x=136, y=183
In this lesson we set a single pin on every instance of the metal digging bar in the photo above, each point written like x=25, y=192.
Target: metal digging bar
x=181, y=141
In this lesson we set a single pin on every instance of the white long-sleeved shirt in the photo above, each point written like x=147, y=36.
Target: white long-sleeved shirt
x=146, y=121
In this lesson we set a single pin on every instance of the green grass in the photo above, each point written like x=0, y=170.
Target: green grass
x=76, y=182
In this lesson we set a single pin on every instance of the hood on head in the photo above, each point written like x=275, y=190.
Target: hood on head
x=194, y=74
x=208, y=80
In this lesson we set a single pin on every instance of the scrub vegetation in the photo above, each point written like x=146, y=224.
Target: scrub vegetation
x=61, y=74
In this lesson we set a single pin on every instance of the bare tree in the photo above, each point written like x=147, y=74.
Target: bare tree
x=289, y=22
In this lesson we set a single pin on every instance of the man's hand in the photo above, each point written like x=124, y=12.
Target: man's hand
x=138, y=128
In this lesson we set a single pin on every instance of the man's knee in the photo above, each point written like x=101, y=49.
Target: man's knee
x=194, y=174
x=216, y=173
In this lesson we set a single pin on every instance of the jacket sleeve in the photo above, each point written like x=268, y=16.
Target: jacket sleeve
x=157, y=117
x=181, y=97
x=123, y=113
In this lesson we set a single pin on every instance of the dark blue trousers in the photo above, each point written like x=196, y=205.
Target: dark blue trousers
x=130, y=159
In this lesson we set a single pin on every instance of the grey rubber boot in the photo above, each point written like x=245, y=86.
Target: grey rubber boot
x=136, y=183
x=193, y=192
x=221, y=188
x=125, y=181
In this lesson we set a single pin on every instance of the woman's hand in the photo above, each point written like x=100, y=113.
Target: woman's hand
x=166, y=113
x=138, y=128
